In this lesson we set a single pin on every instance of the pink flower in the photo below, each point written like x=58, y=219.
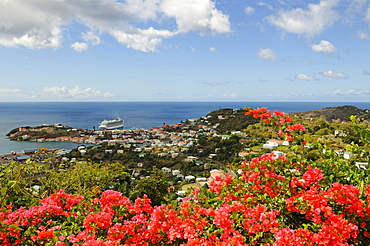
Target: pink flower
x=313, y=176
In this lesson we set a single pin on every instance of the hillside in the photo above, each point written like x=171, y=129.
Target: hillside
x=332, y=113
x=230, y=119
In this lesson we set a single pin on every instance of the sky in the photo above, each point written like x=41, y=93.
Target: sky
x=185, y=50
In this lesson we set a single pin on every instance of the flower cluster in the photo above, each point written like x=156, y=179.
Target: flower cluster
x=277, y=118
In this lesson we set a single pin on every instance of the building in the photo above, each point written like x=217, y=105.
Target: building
x=272, y=144
x=214, y=174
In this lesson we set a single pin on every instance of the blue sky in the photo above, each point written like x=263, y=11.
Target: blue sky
x=184, y=50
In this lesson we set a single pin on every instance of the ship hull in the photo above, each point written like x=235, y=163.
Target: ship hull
x=111, y=124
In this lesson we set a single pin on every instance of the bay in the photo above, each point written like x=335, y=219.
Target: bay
x=137, y=115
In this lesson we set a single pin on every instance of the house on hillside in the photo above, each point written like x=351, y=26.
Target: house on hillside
x=189, y=178
x=166, y=169
x=338, y=151
x=243, y=154
x=271, y=144
x=212, y=155
x=176, y=172
x=191, y=158
x=214, y=174
x=347, y=155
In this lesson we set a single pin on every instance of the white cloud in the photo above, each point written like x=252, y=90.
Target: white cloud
x=76, y=92
x=262, y=80
x=324, y=46
x=249, y=10
x=290, y=96
x=309, y=22
x=368, y=14
x=80, y=46
x=308, y=60
x=53, y=94
x=9, y=92
x=43, y=24
x=363, y=35
x=267, y=54
x=17, y=94
x=355, y=6
x=196, y=15
x=34, y=25
x=213, y=50
x=220, y=83
x=353, y=9
x=334, y=75
x=265, y=4
x=302, y=76
x=232, y=95
x=359, y=93
x=91, y=37
x=145, y=40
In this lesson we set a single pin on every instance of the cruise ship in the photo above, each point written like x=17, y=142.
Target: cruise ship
x=111, y=124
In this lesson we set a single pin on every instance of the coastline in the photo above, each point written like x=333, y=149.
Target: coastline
x=137, y=115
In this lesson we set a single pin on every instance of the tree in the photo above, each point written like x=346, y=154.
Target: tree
x=155, y=187
x=87, y=178
x=16, y=181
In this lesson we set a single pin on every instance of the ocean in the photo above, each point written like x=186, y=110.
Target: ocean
x=137, y=115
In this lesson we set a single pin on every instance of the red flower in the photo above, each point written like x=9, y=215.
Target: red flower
x=99, y=220
x=313, y=176
x=277, y=113
x=294, y=127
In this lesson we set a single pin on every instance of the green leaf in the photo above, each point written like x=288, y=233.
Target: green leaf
x=12, y=183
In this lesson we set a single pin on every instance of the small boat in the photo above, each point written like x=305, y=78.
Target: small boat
x=111, y=124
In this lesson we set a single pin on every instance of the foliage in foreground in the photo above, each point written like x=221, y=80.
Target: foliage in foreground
x=274, y=201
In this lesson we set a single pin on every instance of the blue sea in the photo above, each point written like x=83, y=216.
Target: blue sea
x=137, y=115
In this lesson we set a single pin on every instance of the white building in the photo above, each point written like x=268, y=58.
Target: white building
x=271, y=144
x=189, y=178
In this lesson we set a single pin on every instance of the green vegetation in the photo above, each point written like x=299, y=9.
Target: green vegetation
x=230, y=120
x=333, y=113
